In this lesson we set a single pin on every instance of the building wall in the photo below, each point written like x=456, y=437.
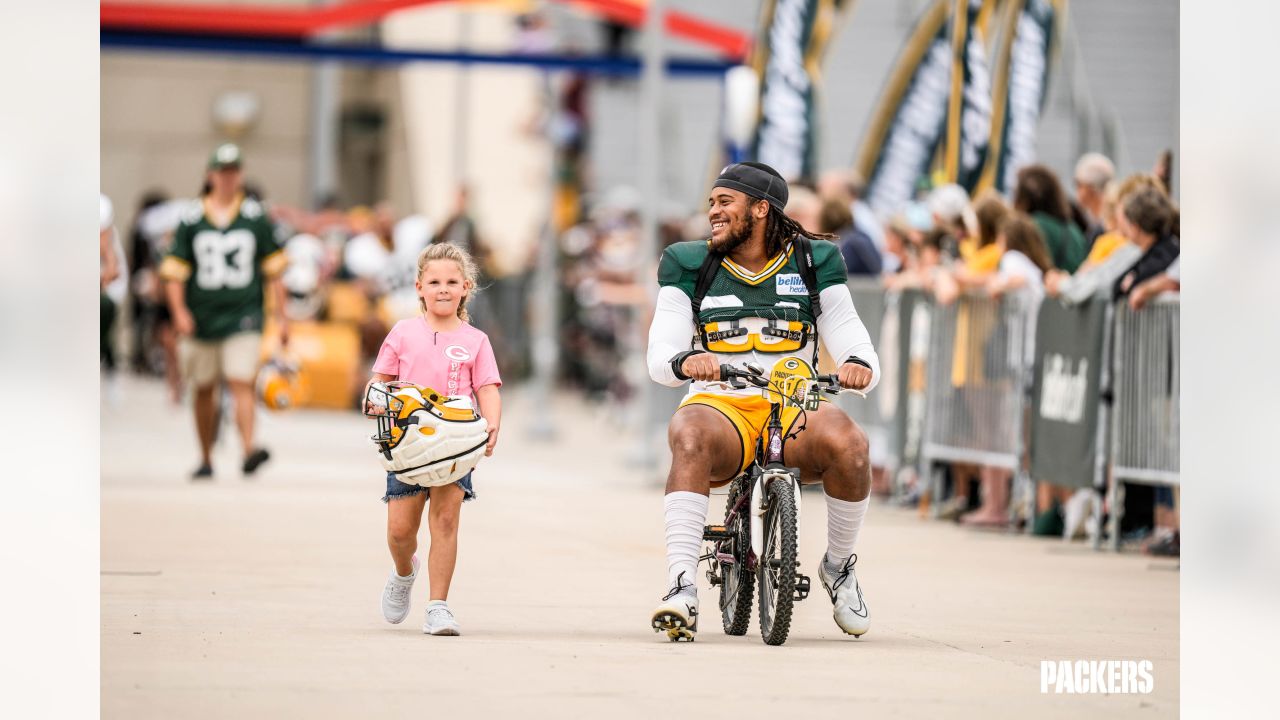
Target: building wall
x=1115, y=88
x=445, y=125
x=1119, y=66
x=476, y=125
x=158, y=128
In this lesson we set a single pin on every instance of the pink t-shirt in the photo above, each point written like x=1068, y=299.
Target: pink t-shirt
x=453, y=363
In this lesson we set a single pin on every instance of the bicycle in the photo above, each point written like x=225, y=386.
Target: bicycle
x=756, y=546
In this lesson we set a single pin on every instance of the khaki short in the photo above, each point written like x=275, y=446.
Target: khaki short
x=234, y=357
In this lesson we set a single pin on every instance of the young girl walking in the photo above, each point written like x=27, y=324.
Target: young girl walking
x=440, y=350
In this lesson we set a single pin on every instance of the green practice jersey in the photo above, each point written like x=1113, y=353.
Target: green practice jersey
x=223, y=268
x=775, y=295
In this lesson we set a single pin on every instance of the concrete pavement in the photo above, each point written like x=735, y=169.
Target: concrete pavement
x=259, y=598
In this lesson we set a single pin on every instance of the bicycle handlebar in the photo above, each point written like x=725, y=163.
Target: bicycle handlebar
x=829, y=384
x=755, y=375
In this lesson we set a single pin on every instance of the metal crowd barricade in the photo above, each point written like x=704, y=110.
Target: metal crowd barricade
x=1145, y=381
x=871, y=414
x=904, y=358
x=979, y=369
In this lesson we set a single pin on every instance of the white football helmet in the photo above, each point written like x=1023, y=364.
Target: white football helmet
x=424, y=437
x=280, y=384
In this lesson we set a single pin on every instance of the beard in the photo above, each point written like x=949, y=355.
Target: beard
x=736, y=238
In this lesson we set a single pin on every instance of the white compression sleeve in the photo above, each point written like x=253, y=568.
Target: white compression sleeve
x=686, y=514
x=842, y=332
x=669, y=335
x=844, y=520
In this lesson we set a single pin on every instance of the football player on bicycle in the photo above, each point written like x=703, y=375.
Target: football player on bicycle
x=761, y=288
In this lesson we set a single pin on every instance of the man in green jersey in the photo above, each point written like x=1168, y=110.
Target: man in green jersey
x=757, y=308
x=224, y=255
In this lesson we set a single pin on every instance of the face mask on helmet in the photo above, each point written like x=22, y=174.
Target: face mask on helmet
x=393, y=406
x=424, y=437
x=390, y=404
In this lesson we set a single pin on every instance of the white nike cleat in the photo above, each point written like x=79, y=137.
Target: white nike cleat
x=440, y=620
x=395, y=596
x=677, y=616
x=849, y=610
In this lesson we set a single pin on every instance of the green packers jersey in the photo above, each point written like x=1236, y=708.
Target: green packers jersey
x=223, y=268
x=767, y=311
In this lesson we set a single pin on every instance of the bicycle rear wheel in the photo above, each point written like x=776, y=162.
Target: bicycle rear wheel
x=738, y=582
x=776, y=571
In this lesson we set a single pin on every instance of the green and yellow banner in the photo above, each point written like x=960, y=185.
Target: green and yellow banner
x=1024, y=55
x=907, y=125
x=787, y=56
x=969, y=108
x=943, y=117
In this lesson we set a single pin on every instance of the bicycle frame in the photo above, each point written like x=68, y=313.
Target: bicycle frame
x=771, y=470
x=768, y=568
x=766, y=468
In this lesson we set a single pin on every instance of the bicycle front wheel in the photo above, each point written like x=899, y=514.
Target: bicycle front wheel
x=776, y=572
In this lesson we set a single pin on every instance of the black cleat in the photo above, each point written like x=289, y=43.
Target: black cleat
x=204, y=472
x=255, y=460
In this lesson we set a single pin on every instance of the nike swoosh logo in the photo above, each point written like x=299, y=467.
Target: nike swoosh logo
x=861, y=610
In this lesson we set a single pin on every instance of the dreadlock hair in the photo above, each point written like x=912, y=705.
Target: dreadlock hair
x=779, y=229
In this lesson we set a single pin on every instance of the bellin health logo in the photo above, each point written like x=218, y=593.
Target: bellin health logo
x=790, y=284
x=1096, y=676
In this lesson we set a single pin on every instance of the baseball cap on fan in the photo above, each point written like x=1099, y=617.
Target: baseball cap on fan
x=224, y=156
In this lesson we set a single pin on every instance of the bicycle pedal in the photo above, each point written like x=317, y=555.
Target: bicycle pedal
x=716, y=532
x=802, y=587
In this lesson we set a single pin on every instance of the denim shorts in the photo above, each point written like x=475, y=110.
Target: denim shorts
x=397, y=489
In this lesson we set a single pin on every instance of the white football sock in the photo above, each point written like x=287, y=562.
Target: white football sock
x=844, y=519
x=686, y=514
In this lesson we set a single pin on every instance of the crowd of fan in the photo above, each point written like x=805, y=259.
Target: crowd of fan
x=1113, y=237
x=359, y=260
x=1117, y=238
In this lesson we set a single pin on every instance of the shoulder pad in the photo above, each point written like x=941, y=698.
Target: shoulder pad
x=679, y=264
x=824, y=251
x=689, y=254
x=828, y=264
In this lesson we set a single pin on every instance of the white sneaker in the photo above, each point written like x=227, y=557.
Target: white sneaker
x=678, y=613
x=850, y=612
x=1083, y=506
x=439, y=620
x=395, y=596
